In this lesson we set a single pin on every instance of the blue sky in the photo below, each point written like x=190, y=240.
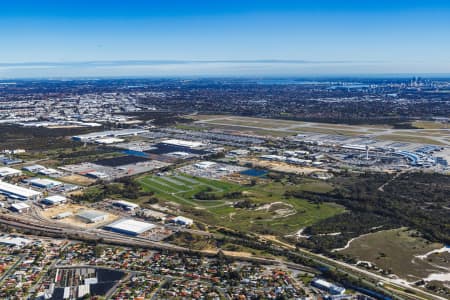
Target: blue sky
x=215, y=37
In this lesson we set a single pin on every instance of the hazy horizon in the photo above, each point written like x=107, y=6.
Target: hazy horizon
x=215, y=68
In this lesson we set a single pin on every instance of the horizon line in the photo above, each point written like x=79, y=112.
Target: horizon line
x=184, y=61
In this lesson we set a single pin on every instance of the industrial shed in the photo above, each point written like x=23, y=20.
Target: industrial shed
x=44, y=183
x=54, y=200
x=9, y=172
x=130, y=226
x=20, y=207
x=92, y=216
x=17, y=192
x=125, y=205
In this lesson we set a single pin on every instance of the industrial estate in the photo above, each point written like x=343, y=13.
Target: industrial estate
x=111, y=195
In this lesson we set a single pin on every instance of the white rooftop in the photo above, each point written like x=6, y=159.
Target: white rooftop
x=184, y=143
x=17, y=190
x=5, y=171
x=323, y=283
x=56, y=198
x=126, y=203
x=20, y=205
x=44, y=181
x=33, y=168
x=131, y=225
x=109, y=133
x=205, y=164
x=16, y=241
x=184, y=220
x=109, y=140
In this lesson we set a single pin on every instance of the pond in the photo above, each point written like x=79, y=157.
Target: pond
x=255, y=172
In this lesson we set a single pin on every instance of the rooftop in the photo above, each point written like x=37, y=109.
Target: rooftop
x=17, y=190
x=131, y=225
x=184, y=143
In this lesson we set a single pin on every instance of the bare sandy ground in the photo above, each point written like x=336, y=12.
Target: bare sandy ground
x=73, y=220
x=281, y=166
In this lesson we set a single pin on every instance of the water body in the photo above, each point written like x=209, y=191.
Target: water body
x=254, y=172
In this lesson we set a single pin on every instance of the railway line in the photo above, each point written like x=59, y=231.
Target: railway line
x=38, y=224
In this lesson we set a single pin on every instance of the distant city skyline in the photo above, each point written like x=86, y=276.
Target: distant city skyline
x=223, y=38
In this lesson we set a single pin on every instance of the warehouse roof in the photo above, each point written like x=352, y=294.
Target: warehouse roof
x=17, y=190
x=131, y=226
x=126, y=204
x=5, y=171
x=55, y=199
x=16, y=241
x=184, y=143
x=91, y=214
x=44, y=182
x=20, y=206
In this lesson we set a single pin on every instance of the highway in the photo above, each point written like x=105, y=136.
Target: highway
x=382, y=279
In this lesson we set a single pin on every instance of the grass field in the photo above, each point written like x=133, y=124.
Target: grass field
x=408, y=138
x=281, y=128
x=276, y=131
x=248, y=130
x=182, y=188
x=325, y=130
x=395, y=250
x=429, y=125
x=273, y=212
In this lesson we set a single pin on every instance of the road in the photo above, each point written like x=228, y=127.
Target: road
x=380, y=278
x=115, y=238
x=11, y=269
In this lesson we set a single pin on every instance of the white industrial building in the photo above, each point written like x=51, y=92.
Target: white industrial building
x=111, y=133
x=180, y=220
x=273, y=157
x=44, y=183
x=33, y=168
x=54, y=200
x=9, y=172
x=184, y=143
x=92, y=216
x=97, y=175
x=153, y=214
x=14, y=241
x=17, y=192
x=19, y=207
x=63, y=215
x=50, y=172
x=125, y=205
x=205, y=164
x=130, y=226
x=327, y=286
x=109, y=140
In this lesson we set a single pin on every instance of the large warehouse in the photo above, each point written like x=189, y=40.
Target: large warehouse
x=125, y=205
x=44, y=183
x=105, y=134
x=54, y=200
x=9, y=172
x=92, y=216
x=17, y=192
x=20, y=207
x=130, y=226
